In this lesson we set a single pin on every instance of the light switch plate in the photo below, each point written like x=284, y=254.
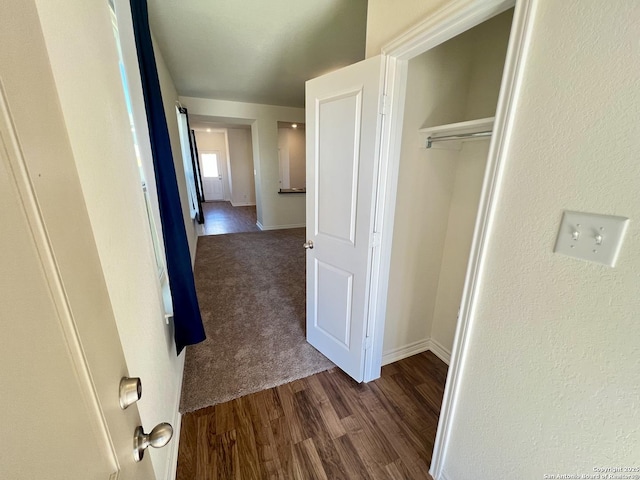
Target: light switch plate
x=592, y=237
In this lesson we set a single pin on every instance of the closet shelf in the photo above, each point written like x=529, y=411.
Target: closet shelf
x=470, y=130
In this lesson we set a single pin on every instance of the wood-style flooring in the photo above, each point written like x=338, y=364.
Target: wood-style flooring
x=321, y=427
x=222, y=217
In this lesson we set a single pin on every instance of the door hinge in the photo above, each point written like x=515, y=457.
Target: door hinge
x=383, y=104
x=374, y=240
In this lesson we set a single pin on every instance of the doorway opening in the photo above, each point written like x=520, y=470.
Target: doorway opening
x=225, y=158
x=451, y=92
x=469, y=121
x=450, y=103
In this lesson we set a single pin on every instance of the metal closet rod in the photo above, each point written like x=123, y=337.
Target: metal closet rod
x=431, y=140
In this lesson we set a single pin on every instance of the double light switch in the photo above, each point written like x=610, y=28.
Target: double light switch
x=592, y=237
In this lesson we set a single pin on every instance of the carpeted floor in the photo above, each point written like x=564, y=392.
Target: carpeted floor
x=251, y=289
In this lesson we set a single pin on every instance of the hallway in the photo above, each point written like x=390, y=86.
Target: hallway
x=321, y=427
x=221, y=217
x=241, y=421
x=251, y=290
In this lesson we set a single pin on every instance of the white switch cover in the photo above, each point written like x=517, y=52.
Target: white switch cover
x=591, y=237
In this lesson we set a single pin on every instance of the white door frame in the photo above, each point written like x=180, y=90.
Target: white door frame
x=456, y=18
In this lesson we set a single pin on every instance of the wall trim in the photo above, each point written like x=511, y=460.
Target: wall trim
x=174, y=444
x=280, y=227
x=455, y=18
x=444, y=24
x=414, y=348
x=172, y=468
x=513, y=73
x=399, y=353
x=242, y=204
x=440, y=351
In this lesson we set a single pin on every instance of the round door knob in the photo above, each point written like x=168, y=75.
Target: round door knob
x=156, y=438
x=308, y=244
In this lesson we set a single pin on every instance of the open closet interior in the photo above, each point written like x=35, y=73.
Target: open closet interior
x=452, y=91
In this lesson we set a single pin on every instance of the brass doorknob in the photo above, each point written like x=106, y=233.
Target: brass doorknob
x=308, y=244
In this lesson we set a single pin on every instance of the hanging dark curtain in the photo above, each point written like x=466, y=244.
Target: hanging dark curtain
x=186, y=311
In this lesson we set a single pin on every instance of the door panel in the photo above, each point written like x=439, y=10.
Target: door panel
x=334, y=319
x=49, y=383
x=343, y=127
x=339, y=122
x=60, y=349
x=37, y=362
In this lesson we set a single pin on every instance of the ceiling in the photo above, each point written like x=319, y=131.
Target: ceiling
x=257, y=51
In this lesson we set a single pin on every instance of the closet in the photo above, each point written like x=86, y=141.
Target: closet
x=451, y=97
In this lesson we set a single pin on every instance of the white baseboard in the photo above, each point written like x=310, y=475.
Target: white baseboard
x=439, y=351
x=242, y=204
x=405, y=351
x=172, y=469
x=174, y=444
x=279, y=227
x=441, y=477
x=415, y=348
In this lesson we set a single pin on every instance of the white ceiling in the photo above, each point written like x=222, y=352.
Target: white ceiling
x=258, y=51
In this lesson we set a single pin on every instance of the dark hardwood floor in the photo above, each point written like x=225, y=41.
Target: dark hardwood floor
x=222, y=217
x=322, y=427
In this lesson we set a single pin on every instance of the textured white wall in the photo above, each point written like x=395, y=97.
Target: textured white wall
x=273, y=210
x=551, y=381
x=241, y=158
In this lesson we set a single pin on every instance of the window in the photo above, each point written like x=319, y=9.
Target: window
x=209, y=165
x=155, y=238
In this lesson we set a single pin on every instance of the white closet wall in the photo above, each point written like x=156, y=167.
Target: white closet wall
x=439, y=189
x=424, y=192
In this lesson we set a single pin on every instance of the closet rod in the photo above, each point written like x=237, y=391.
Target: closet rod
x=460, y=136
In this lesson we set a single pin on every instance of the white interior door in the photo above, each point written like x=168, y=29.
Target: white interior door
x=58, y=408
x=60, y=350
x=211, y=176
x=343, y=126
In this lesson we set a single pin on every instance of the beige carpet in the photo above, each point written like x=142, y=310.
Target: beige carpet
x=251, y=289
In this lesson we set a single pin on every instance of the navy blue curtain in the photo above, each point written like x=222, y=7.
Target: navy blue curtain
x=186, y=311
